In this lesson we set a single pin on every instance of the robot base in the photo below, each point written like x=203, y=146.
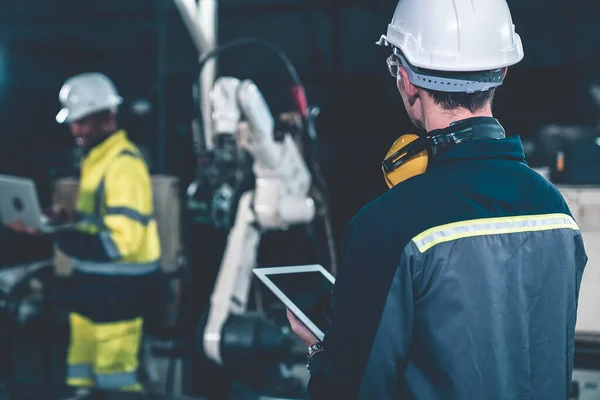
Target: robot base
x=257, y=354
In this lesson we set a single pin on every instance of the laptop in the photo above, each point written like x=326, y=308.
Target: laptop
x=19, y=201
x=306, y=292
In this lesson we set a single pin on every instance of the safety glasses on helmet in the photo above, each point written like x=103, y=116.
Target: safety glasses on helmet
x=393, y=65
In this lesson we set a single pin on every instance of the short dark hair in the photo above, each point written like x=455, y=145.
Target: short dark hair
x=453, y=100
x=470, y=101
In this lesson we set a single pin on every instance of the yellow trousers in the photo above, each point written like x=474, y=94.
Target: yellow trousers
x=104, y=355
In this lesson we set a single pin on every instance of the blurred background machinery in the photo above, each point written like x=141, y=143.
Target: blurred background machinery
x=584, y=202
x=570, y=155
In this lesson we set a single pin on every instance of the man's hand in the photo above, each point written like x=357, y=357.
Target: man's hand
x=301, y=330
x=18, y=226
x=59, y=213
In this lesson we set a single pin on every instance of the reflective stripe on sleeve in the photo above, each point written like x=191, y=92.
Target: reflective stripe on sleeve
x=130, y=213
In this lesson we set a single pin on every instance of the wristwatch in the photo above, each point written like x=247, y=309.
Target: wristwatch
x=312, y=350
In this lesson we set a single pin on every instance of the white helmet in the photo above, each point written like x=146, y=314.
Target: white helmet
x=468, y=36
x=86, y=94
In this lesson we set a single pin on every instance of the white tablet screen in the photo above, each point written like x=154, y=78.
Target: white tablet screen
x=310, y=292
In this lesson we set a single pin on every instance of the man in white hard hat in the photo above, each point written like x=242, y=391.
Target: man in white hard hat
x=116, y=249
x=461, y=282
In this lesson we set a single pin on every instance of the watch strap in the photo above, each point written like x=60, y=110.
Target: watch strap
x=312, y=350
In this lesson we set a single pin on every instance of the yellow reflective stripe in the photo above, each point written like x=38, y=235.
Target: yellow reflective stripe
x=492, y=226
x=81, y=382
x=133, y=388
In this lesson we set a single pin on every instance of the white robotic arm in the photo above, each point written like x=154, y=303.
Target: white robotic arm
x=282, y=177
x=280, y=198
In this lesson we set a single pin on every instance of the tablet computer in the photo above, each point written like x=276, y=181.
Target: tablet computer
x=306, y=292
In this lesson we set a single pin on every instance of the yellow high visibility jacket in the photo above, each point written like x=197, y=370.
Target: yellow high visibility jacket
x=115, y=209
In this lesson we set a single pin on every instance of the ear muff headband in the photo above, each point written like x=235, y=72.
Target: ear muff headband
x=409, y=155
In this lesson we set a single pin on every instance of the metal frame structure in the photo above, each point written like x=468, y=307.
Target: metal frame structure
x=200, y=18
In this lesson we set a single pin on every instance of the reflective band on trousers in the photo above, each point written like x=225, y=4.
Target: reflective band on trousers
x=79, y=371
x=116, y=381
x=492, y=226
x=103, y=381
x=97, y=268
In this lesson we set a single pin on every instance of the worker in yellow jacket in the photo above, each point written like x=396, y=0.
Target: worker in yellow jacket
x=115, y=249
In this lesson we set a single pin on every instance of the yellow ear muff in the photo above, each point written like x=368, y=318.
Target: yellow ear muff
x=413, y=167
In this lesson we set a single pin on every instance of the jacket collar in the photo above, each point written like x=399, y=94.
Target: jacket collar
x=109, y=145
x=509, y=148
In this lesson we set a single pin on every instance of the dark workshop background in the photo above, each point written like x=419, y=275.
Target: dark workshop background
x=145, y=48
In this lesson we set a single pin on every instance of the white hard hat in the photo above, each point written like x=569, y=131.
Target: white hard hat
x=86, y=94
x=455, y=36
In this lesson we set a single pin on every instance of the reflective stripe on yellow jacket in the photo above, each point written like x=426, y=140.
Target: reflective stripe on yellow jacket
x=115, y=203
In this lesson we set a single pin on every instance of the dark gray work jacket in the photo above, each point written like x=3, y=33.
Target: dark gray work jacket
x=461, y=283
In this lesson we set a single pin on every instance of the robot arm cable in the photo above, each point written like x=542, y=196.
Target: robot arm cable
x=300, y=100
x=298, y=91
x=247, y=41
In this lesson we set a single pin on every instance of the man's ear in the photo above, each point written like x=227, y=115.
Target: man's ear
x=405, y=86
x=505, y=70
